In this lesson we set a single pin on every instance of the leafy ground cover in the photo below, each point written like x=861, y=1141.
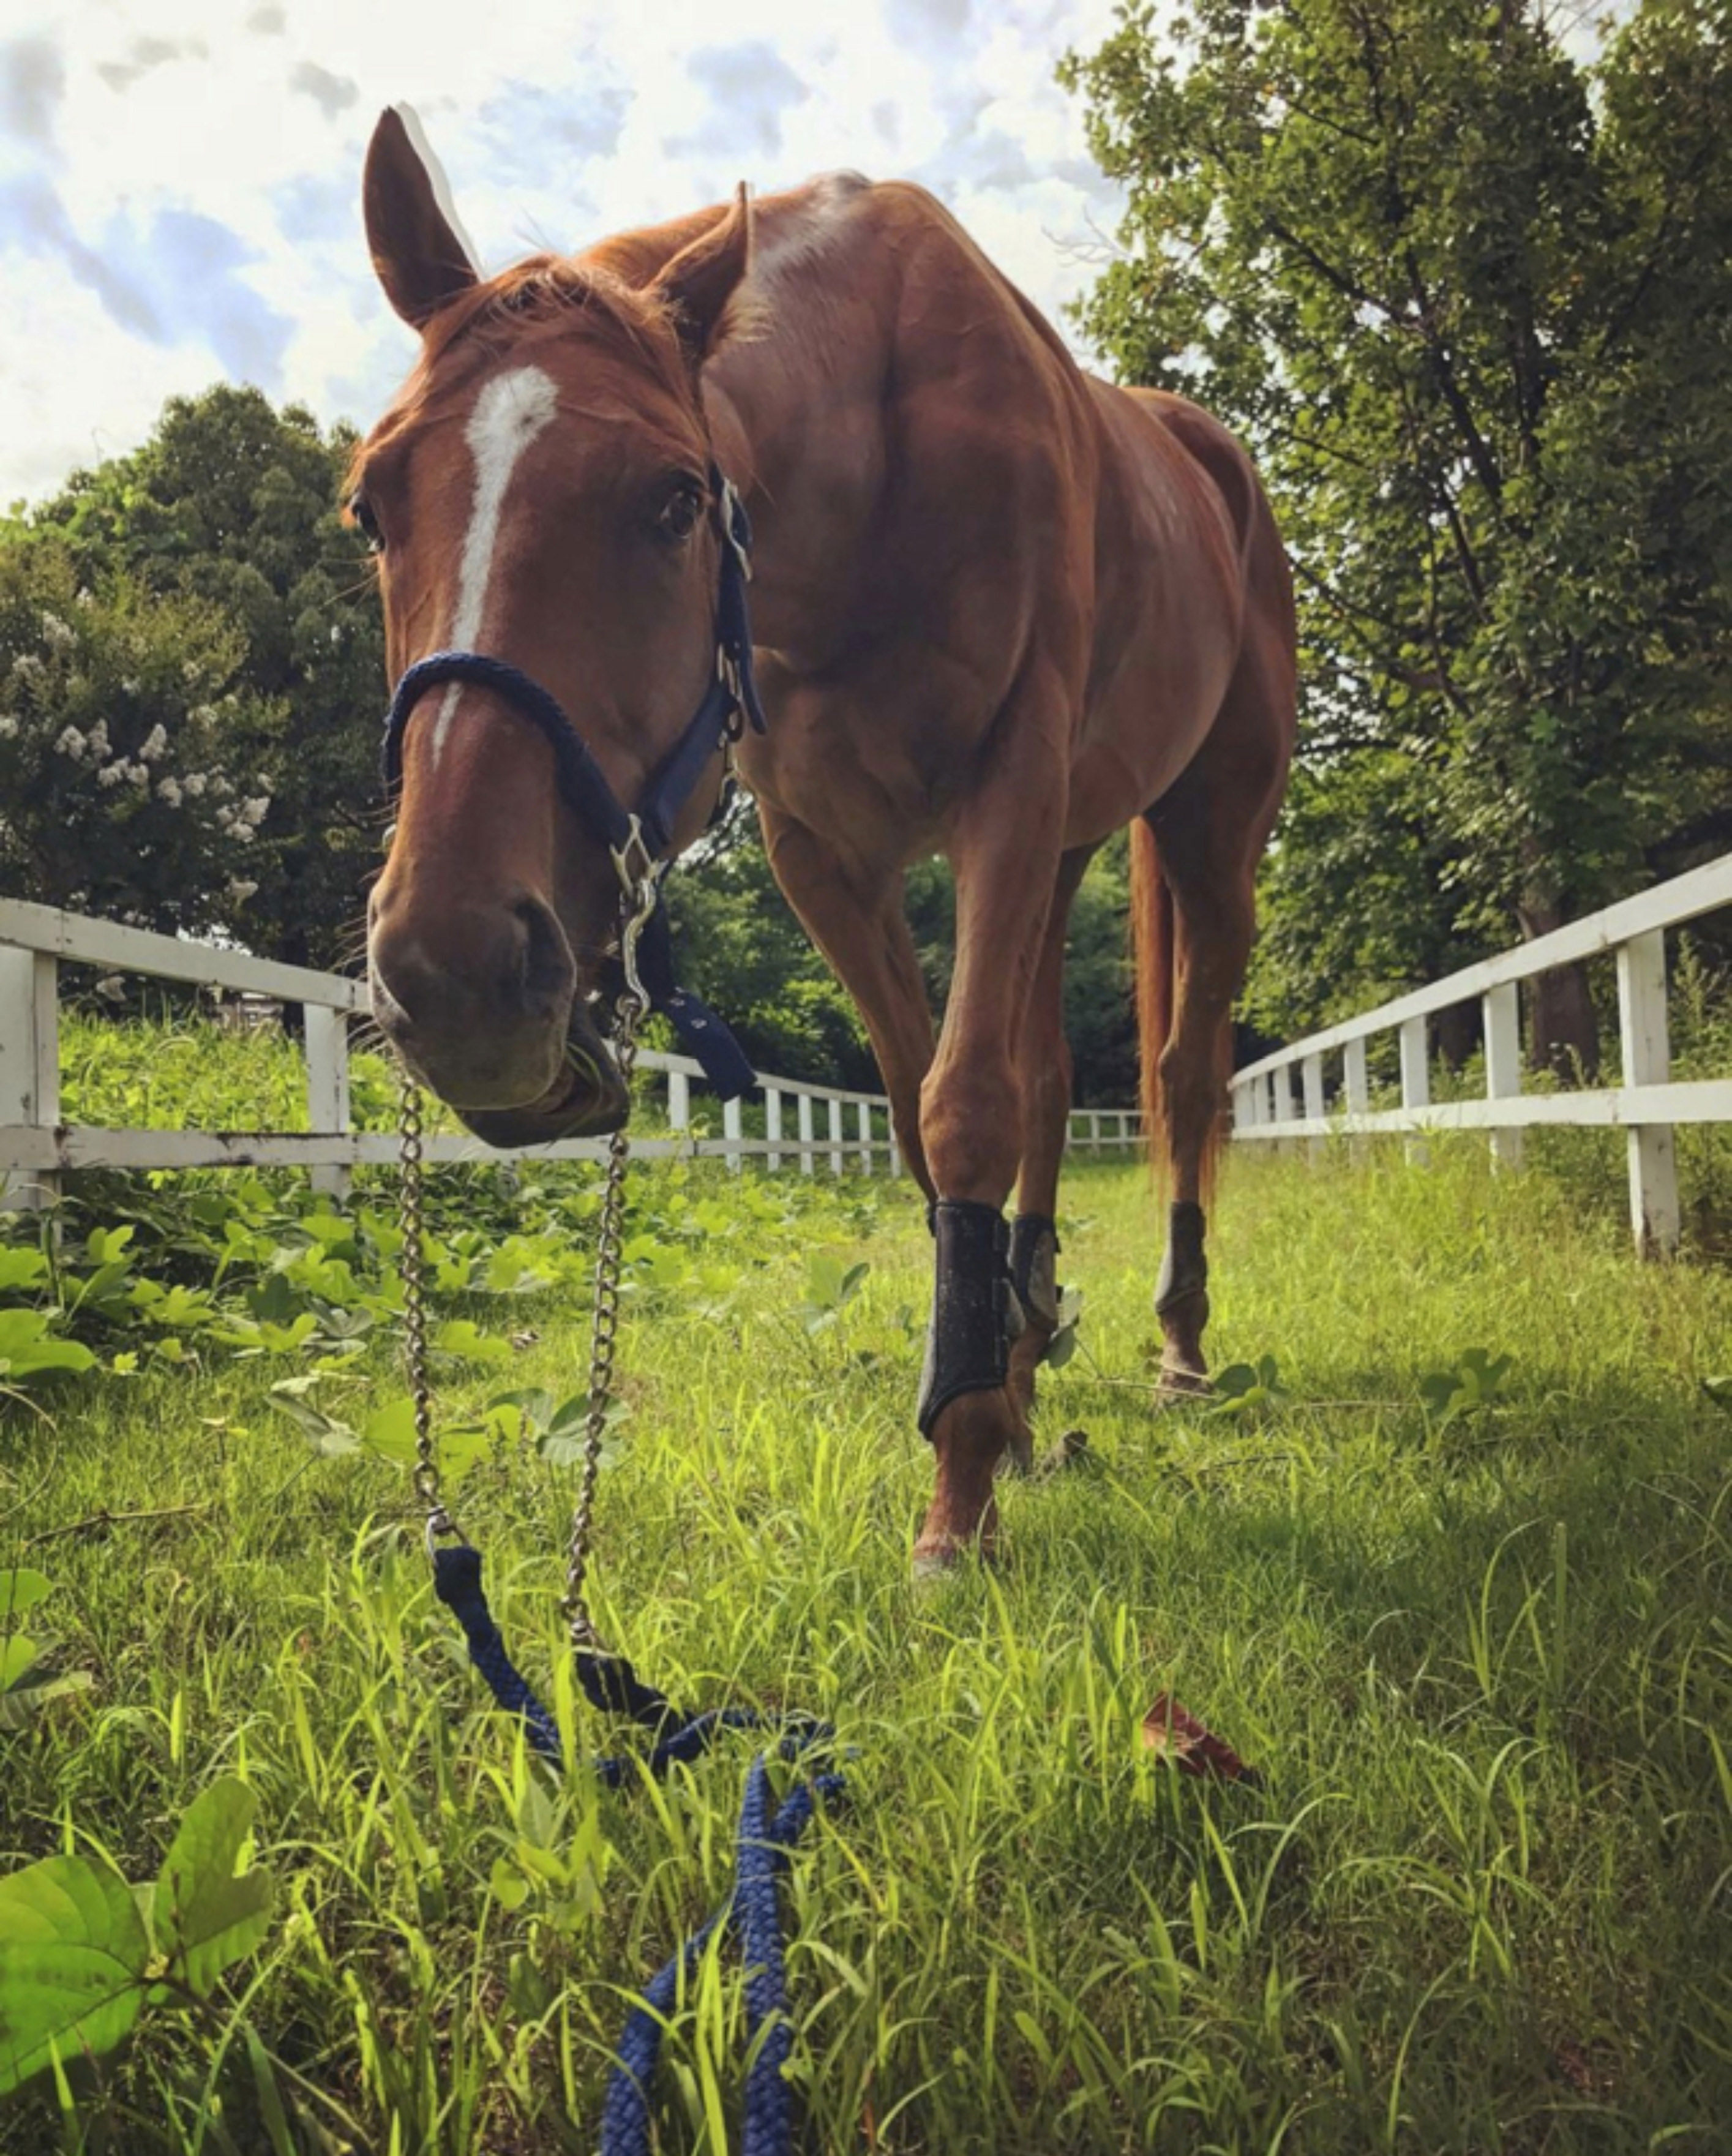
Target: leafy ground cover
x=1448, y=1563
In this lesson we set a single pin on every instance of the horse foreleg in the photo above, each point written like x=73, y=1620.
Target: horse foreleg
x=1004, y=851
x=1045, y=1062
x=854, y=916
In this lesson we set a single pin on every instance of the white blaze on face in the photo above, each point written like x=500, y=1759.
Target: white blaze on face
x=510, y=411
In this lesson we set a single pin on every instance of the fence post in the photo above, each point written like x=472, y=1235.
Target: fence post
x=1356, y=1086
x=733, y=1128
x=679, y=1101
x=29, y=1065
x=835, y=1107
x=1647, y=1061
x=863, y=1123
x=804, y=1102
x=1311, y=1078
x=893, y=1164
x=1416, y=1080
x=1500, y=1009
x=1281, y=1095
x=326, y=1042
x=772, y=1126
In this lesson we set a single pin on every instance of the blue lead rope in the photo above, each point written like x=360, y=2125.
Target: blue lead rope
x=762, y=1847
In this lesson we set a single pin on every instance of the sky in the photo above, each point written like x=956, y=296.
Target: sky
x=180, y=180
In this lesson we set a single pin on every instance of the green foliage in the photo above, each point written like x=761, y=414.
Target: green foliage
x=1468, y=301
x=228, y=605
x=1476, y=1378
x=126, y=726
x=1482, y=1678
x=82, y=1952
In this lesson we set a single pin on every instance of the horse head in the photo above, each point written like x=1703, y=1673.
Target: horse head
x=542, y=493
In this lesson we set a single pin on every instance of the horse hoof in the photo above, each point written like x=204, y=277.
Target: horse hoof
x=1175, y=1385
x=932, y=1567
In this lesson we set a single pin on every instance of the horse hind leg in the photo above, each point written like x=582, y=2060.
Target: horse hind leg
x=1194, y=862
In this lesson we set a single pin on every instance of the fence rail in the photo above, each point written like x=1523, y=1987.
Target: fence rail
x=36, y=1147
x=1647, y=1104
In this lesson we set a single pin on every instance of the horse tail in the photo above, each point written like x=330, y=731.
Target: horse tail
x=1151, y=944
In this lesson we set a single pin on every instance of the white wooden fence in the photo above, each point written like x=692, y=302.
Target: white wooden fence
x=1646, y=1104
x=36, y=1147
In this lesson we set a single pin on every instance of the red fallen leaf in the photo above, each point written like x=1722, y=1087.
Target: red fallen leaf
x=1172, y=1733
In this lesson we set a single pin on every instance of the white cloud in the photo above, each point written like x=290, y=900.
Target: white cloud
x=180, y=179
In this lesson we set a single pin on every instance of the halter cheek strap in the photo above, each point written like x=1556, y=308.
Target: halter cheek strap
x=638, y=840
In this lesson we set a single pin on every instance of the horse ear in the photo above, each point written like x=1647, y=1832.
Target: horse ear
x=701, y=279
x=419, y=249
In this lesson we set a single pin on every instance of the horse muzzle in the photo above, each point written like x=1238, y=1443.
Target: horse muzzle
x=482, y=1004
x=588, y=1099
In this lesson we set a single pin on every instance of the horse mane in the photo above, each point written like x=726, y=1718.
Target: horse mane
x=636, y=322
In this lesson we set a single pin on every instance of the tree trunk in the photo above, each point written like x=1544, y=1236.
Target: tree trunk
x=1455, y=1034
x=1565, y=1035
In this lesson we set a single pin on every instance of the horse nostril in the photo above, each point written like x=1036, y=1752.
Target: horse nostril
x=547, y=971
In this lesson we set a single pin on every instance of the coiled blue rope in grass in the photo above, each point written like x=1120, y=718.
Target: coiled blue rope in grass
x=762, y=1847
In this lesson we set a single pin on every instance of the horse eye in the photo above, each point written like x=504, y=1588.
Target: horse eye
x=680, y=512
x=361, y=510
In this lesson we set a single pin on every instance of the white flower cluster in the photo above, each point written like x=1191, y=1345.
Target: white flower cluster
x=98, y=740
x=9, y=724
x=27, y=665
x=243, y=822
x=169, y=790
x=154, y=743
x=72, y=743
x=240, y=890
x=59, y=635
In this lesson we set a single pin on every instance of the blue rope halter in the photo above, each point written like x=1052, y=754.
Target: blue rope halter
x=763, y=1844
x=638, y=840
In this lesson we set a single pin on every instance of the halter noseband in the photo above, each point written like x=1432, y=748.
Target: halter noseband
x=637, y=840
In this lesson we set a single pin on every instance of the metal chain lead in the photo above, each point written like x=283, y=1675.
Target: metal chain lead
x=413, y=1264
x=628, y=1014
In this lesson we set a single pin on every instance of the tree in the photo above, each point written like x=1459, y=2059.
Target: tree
x=235, y=506
x=1468, y=301
x=119, y=713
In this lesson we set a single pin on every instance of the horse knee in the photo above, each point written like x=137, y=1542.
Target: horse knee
x=971, y=1130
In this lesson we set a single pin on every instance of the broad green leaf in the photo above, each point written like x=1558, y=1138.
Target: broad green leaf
x=391, y=1429
x=1061, y=1347
x=509, y=1886
x=103, y=1246
x=205, y=1917
x=20, y=1703
x=463, y=1337
x=18, y=1653
x=25, y=1348
x=22, y=1266
x=22, y=1589
x=328, y=1437
x=73, y=1953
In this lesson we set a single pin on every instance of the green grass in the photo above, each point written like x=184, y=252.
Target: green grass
x=1480, y=1902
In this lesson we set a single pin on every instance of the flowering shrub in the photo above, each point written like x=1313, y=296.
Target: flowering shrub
x=129, y=748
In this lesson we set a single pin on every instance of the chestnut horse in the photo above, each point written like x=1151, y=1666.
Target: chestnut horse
x=1000, y=610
